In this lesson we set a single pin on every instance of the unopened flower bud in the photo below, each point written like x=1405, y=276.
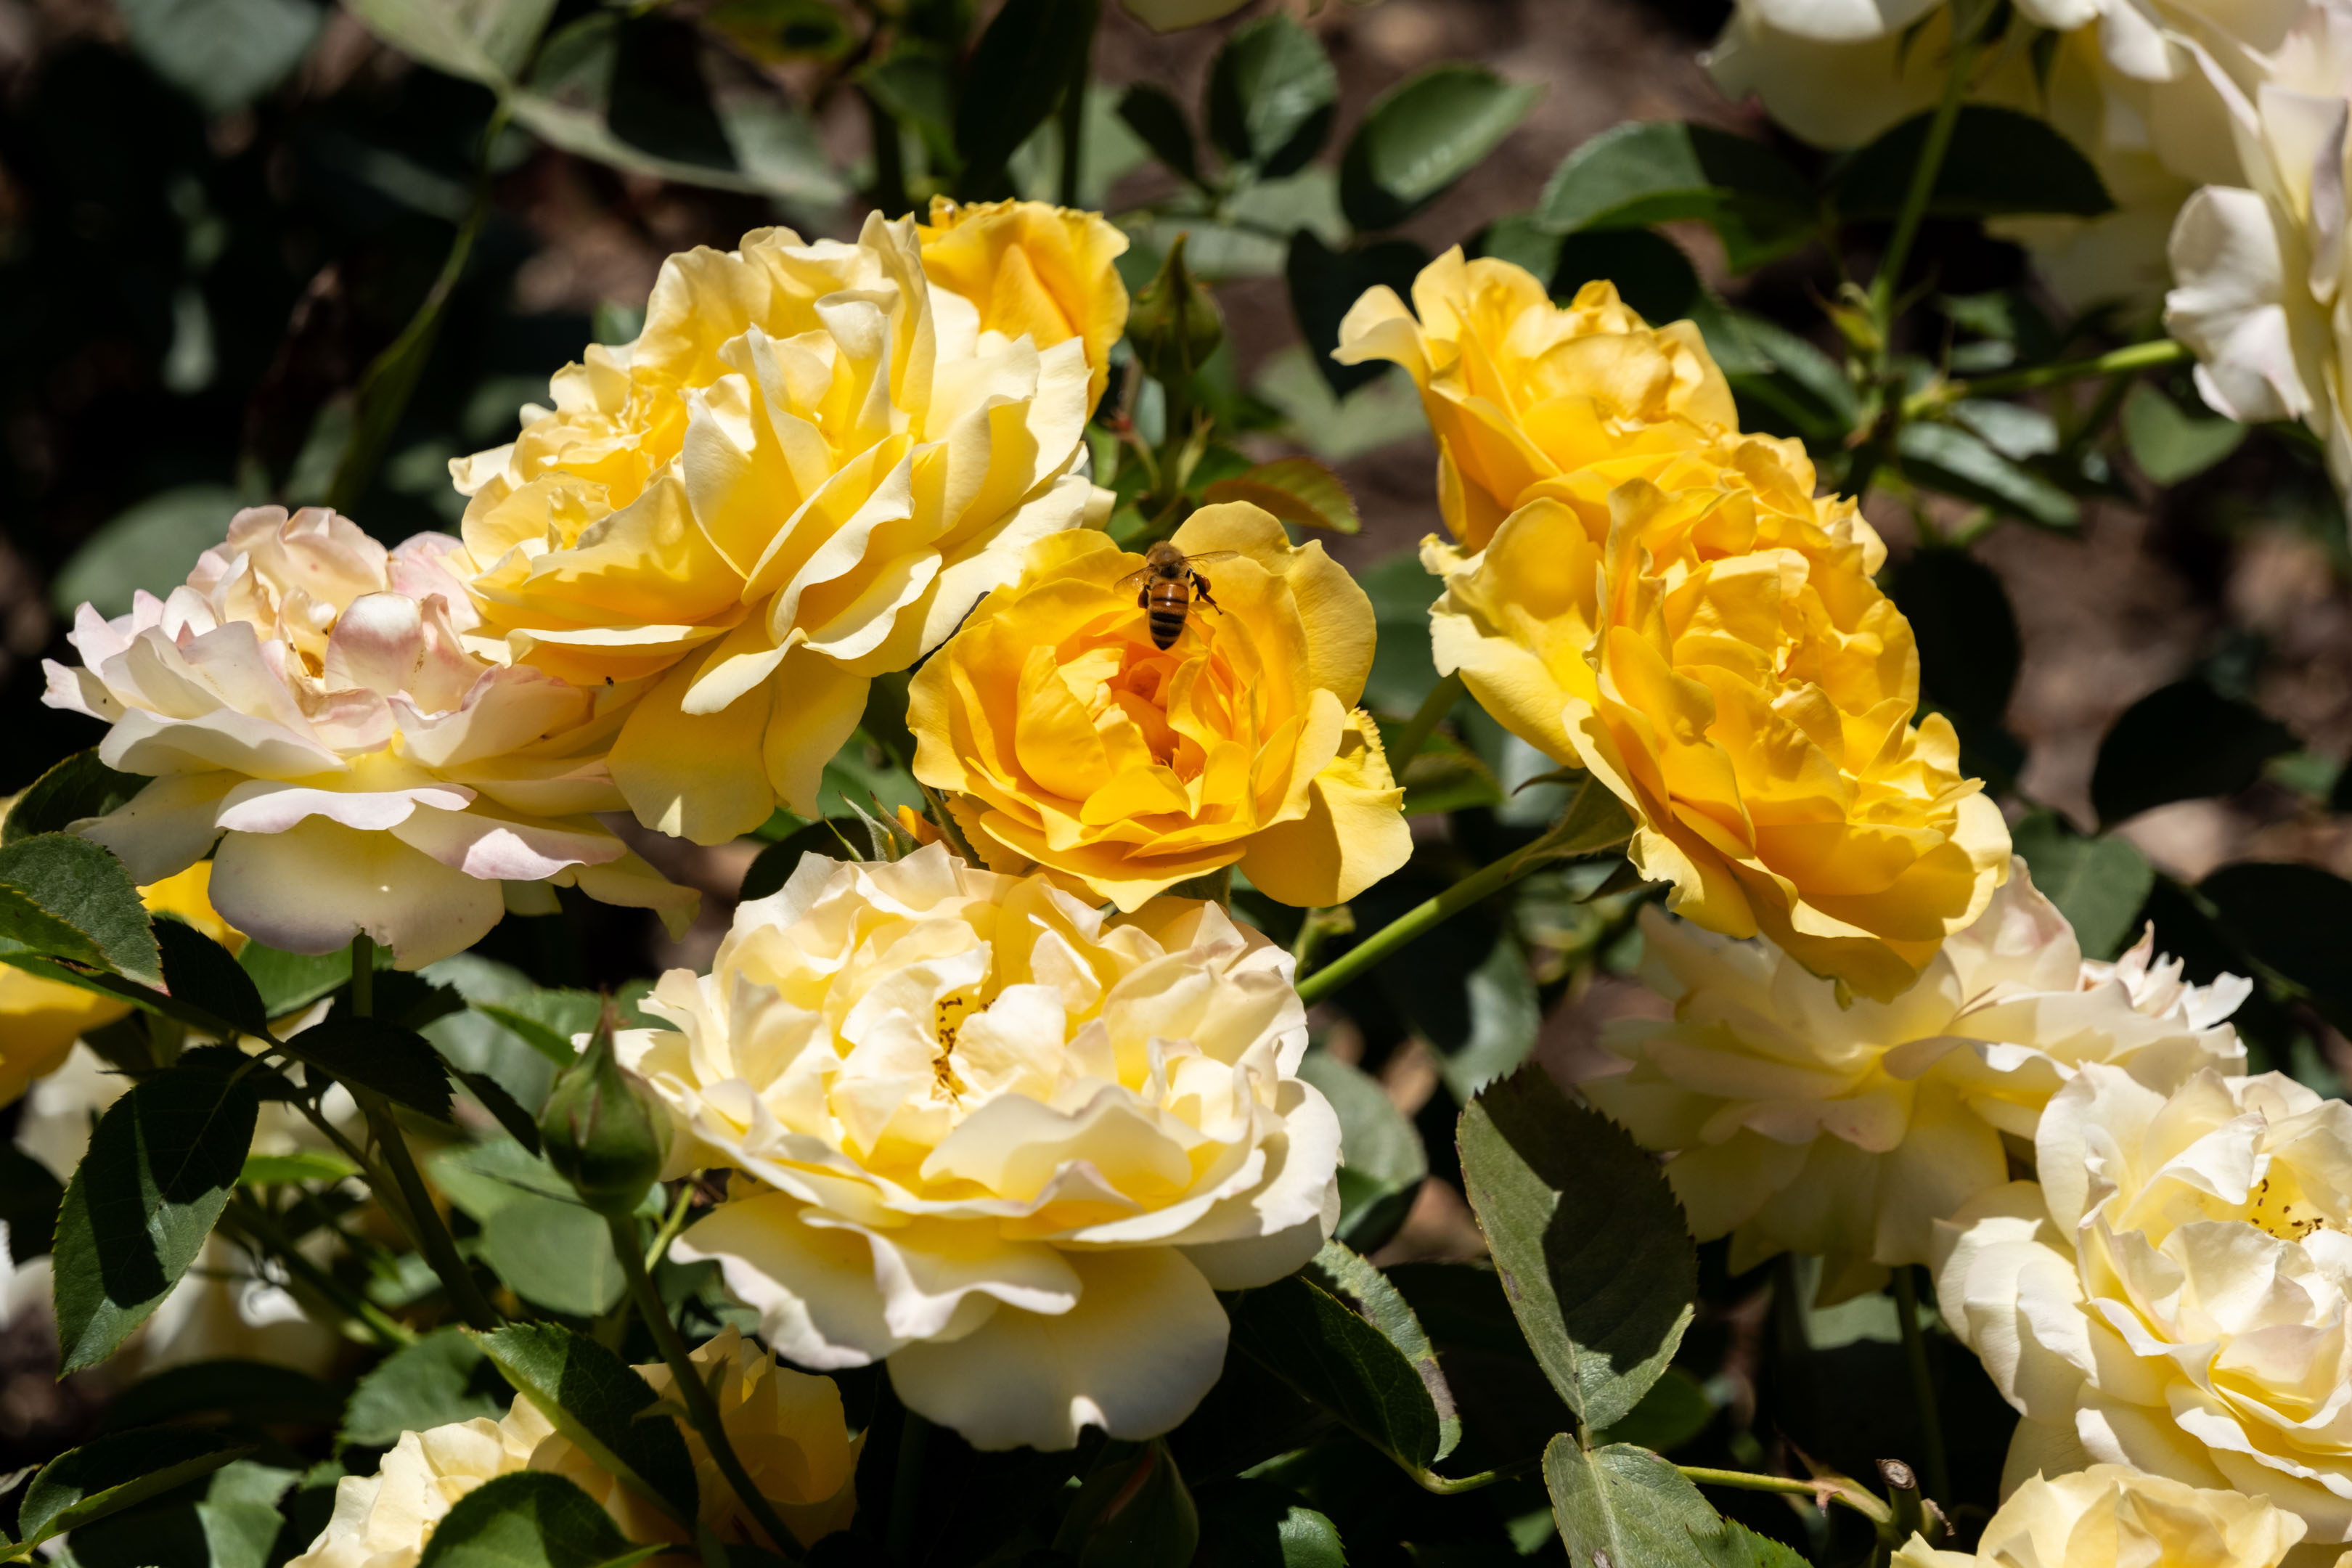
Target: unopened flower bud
x=1174, y=324
x=601, y=1130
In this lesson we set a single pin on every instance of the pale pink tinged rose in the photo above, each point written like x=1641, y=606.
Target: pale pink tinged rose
x=1845, y=1128
x=314, y=720
x=2172, y=1294
x=984, y=1133
x=2110, y=1516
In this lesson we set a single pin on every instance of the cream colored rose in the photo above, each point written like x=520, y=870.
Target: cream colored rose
x=1846, y=1130
x=2111, y=1516
x=2173, y=1294
x=983, y=1132
x=786, y=1426
x=800, y=475
x=384, y=1520
x=314, y=721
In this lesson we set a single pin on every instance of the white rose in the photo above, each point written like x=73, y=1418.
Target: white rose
x=2111, y=1515
x=306, y=700
x=2172, y=1294
x=984, y=1133
x=1845, y=1128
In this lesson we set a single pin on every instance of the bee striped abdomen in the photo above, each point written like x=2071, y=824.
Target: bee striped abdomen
x=1166, y=604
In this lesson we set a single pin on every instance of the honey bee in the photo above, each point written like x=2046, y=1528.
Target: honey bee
x=1170, y=586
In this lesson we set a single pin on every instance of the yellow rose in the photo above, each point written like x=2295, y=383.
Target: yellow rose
x=1074, y=743
x=1522, y=393
x=312, y=716
x=786, y=1426
x=1846, y=1131
x=800, y=475
x=2112, y=1515
x=40, y=1019
x=1708, y=640
x=1044, y=272
x=984, y=1134
x=2176, y=1291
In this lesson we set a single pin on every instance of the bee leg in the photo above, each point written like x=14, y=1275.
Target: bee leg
x=1201, y=593
x=1144, y=597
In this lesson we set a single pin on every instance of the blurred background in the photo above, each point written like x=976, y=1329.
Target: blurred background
x=230, y=230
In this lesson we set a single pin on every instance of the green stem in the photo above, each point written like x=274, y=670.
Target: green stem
x=1314, y=928
x=1967, y=18
x=702, y=1410
x=914, y=1443
x=1449, y=1486
x=1424, y=723
x=1074, y=107
x=390, y=380
x=1593, y=821
x=2116, y=362
x=260, y=1229
x=1869, y=1506
x=1923, y=1383
x=674, y=1222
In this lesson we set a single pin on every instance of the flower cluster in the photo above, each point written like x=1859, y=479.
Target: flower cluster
x=1848, y=1130
x=983, y=1133
x=1648, y=595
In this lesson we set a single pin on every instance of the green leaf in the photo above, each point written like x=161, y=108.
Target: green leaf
x=203, y=974
x=1946, y=457
x=80, y=786
x=1784, y=384
x=554, y=1253
x=441, y=1379
x=65, y=898
x=1018, y=72
x=109, y=1474
x=531, y=1519
x=1424, y=134
x=161, y=1165
x=254, y=1392
x=1152, y=112
x=1741, y=1547
x=369, y=1053
x=1465, y=989
x=2182, y=741
x=152, y=545
x=482, y=40
x=1401, y=590
x=1272, y=95
x=2291, y=920
x=483, y=1178
x=1383, y=1163
x=1298, y=491
x=2001, y=162
x=291, y=981
x=222, y=53
x=1653, y=273
x=295, y=1168
x=1627, y=1505
x=549, y=1021
x=1676, y=1410
x=1324, y=284
x=1966, y=631
x=1640, y=174
x=1308, y=1338
x=1335, y=426
x=774, y=32
x=1592, y=1245
x=1364, y=1288
x=598, y=1401
x=2012, y=429
x=2099, y=884
x=1257, y=1524
x=2172, y=444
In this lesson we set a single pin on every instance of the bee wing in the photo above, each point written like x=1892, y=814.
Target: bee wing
x=1132, y=578
x=1208, y=555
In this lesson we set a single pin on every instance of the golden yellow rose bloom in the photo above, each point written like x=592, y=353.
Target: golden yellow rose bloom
x=800, y=475
x=1711, y=646
x=1071, y=741
x=40, y=1019
x=1045, y=272
x=1522, y=393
